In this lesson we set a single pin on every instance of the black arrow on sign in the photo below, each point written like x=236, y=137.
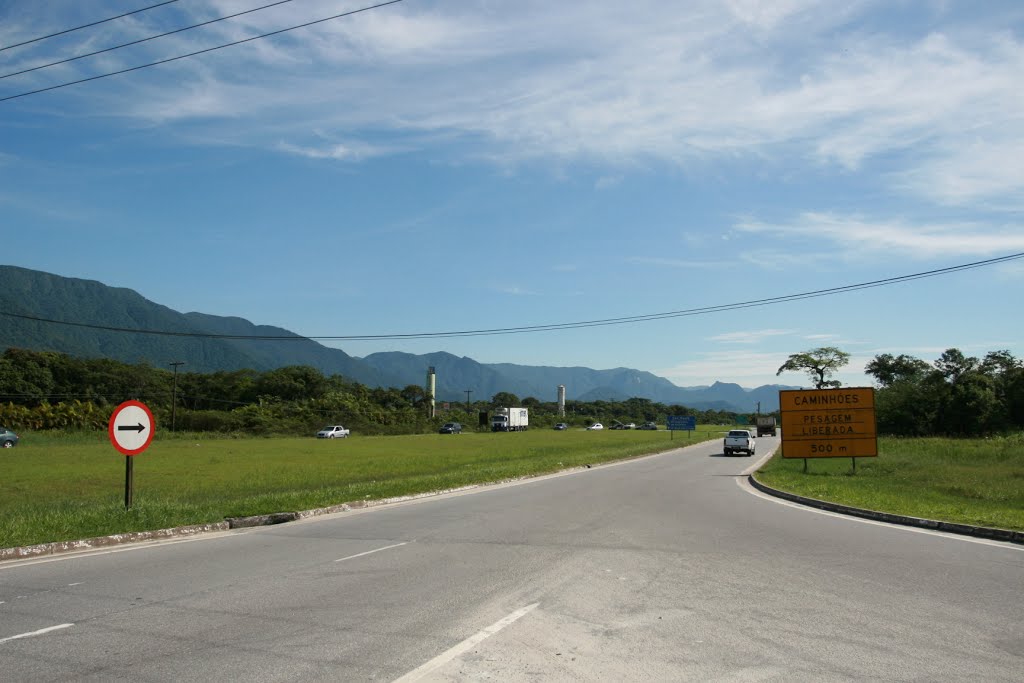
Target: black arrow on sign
x=137, y=428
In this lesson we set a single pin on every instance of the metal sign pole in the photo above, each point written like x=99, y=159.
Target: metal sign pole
x=128, y=467
x=131, y=429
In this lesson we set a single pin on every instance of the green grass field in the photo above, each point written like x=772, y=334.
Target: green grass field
x=969, y=481
x=66, y=487
x=69, y=487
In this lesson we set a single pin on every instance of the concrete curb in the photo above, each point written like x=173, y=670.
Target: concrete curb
x=990, y=533
x=44, y=549
x=59, y=547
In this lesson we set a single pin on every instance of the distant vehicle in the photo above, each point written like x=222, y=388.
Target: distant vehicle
x=595, y=426
x=765, y=425
x=332, y=432
x=617, y=425
x=8, y=439
x=450, y=428
x=739, y=440
x=510, y=420
x=561, y=426
x=629, y=425
x=649, y=425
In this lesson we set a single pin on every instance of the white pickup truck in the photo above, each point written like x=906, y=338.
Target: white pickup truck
x=332, y=432
x=739, y=440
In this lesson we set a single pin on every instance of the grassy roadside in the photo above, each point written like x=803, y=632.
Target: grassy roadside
x=67, y=487
x=969, y=481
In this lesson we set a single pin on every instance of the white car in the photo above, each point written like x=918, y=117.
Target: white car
x=595, y=426
x=332, y=432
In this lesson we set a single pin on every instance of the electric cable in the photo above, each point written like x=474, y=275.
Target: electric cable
x=199, y=52
x=143, y=40
x=94, y=23
x=553, y=326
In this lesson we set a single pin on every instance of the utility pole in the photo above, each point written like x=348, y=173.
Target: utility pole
x=174, y=392
x=468, y=392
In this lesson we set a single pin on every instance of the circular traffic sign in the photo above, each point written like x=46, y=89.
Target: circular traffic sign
x=131, y=427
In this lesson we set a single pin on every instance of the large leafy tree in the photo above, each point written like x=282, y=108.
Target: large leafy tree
x=504, y=399
x=819, y=364
x=888, y=369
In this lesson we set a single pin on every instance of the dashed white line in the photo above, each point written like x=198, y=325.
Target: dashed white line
x=468, y=643
x=36, y=633
x=370, y=552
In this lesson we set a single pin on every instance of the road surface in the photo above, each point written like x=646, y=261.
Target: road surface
x=660, y=568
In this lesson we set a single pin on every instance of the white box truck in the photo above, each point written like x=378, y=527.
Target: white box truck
x=510, y=420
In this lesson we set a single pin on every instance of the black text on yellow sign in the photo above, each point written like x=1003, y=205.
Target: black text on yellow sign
x=828, y=423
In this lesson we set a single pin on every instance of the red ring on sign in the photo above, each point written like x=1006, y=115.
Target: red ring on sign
x=113, y=419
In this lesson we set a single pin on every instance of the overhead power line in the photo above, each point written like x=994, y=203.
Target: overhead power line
x=555, y=326
x=94, y=23
x=199, y=52
x=143, y=40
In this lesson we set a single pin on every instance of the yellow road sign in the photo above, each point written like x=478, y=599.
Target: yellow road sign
x=828, y=423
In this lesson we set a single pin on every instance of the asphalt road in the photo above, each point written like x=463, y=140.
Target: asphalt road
x=664, y=568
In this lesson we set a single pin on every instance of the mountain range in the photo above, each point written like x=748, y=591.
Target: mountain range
x=119, y=323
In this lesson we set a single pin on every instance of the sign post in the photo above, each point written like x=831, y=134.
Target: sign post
x=686, y=423
x=131, y=431
x=828, y=423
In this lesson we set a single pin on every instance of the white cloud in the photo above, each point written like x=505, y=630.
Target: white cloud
x=674, y=263
x=619, y=85
x=515, y=290
x=336, y=152
x=919, y=241
x=749, y=336
x=977, y=169
x=747, y=368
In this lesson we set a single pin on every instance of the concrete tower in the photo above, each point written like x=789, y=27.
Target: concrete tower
x=432, y=390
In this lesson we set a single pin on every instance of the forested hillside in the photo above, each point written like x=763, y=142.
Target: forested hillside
x=48, y=390
x=88, y=319
x=958, y=395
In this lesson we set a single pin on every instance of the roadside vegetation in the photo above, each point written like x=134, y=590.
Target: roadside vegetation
x=71, y=486
x=969, y=481
x=240, y=443
x=44, y=390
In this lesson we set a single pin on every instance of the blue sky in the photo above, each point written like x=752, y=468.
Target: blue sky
x=436, y=166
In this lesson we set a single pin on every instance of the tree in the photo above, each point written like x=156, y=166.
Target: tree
x=820, y=365
x=953, y=363
x=888, y=369
x=292, y=383
x=504, y=399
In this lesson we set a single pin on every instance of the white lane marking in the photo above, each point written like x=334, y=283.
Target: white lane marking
x=76, y=584
x=370, y=552
x=36, y=633
x=468, y=643
x=743, y=484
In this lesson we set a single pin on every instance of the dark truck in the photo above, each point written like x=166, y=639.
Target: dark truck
x=766, y=425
